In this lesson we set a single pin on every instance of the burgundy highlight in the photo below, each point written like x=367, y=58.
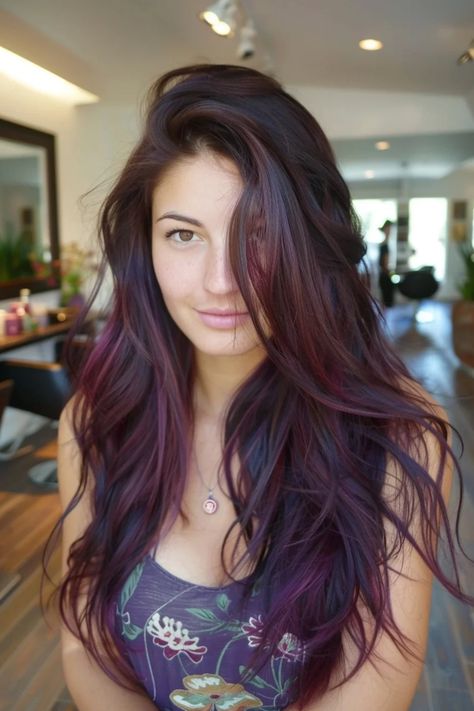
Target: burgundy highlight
x=312, y=425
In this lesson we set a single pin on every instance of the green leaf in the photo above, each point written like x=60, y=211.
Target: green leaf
x=223, y=602
x=131, y=631
x=258, y=682
x=202, y=614
x=255, y=680
x=130, y=584
x=232, y=627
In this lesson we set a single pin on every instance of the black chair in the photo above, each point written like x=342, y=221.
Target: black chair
x=14, y=449
x=41, y=388
x=6, y=387
x=418, y=285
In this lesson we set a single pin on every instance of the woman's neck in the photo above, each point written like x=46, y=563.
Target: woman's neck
x=218, y=378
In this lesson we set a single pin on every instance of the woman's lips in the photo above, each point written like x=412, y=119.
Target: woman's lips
x=223, y=321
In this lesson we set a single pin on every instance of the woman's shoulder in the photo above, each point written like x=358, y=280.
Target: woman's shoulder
x=429, y=442
x=74, y=407
x=415, y=390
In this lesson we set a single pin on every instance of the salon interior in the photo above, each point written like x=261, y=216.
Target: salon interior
x=391, y=84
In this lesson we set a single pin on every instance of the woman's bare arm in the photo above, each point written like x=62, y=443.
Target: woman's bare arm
x=90, y=688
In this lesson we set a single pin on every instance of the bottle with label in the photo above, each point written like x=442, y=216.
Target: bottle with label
x=25, y=300
x=26, y=311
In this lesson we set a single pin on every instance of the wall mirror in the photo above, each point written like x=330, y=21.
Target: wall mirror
x=29, y=241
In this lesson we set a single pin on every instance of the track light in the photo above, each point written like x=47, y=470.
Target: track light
x=246, y=48
x=221, y=17
x=467, y=56
x=225, y=17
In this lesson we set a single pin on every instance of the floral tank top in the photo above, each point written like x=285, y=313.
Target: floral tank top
x=189, y=644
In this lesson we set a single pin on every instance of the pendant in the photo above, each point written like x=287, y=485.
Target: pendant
x=209, y=505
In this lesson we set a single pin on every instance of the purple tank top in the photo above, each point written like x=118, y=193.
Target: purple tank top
x=190, y=643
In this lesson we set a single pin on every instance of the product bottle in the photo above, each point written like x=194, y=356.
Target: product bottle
x=26, y=312
x=25, y=300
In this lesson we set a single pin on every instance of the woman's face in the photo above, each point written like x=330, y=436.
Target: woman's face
x=192, y=206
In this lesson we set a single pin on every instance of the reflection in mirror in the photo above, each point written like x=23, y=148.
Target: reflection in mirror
x=23, y=217
x=29, y=249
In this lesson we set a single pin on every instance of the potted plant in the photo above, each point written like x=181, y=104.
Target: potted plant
x=15, y=255
x=463, y=311
x=76, y=266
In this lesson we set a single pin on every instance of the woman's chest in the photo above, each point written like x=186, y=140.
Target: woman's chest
x=191, y=645
x=191, y=548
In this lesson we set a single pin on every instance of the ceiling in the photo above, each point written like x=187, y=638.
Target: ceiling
x=310, y=41
x=433, y=156
x=126, y=43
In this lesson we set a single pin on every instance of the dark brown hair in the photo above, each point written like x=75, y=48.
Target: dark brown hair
x=313, y=426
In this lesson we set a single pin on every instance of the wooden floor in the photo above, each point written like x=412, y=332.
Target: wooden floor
x=30, y=670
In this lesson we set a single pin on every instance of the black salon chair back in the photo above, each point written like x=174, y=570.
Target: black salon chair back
x=6, y=388
x=418, y=285
x=41, y=388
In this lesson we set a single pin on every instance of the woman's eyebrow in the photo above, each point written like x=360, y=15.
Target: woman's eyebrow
x=181, y=218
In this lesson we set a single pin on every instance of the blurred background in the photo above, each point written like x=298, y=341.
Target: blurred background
x=392, y=85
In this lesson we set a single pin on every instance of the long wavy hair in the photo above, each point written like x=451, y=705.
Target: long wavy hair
x=313, y=425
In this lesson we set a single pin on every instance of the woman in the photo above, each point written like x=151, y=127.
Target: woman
x=386, y=285
x=253, y=485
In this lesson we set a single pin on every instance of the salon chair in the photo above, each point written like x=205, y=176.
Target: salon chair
x=41, y=388
x=418, y=285
x=6, y=387
x=14, y=449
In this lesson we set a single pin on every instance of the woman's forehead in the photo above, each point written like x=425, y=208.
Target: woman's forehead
x=201, y=187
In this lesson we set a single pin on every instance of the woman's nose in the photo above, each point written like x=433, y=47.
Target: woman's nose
x=219, y=278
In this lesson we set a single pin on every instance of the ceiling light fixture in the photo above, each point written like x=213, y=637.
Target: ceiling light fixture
x=221, y=16
x=382, y=145
x=248, y=34
x=370, y=45
x=35, y=77
x=369, y=174
x=224, y=17
x=467, y=56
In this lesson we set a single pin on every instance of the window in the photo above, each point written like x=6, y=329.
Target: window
x=427, y=234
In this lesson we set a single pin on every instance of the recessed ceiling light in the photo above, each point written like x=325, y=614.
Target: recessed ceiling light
x=369, y=174
x=371, y=45
x=382, y=145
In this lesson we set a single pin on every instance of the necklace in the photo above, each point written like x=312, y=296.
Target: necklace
x=209, y=505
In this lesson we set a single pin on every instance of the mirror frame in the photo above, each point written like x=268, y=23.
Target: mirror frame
x=24, y=134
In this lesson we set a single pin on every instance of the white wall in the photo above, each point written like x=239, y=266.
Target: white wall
x=91, y=144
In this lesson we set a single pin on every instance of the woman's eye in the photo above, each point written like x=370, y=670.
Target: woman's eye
x=180, y=236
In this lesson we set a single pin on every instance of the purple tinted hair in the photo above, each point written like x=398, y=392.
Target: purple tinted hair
x=312, y=425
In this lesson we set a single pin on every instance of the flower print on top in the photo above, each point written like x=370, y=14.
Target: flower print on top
x=206, y=692
x=171, y=628
x=174, y=638
x=290, y=648
x=253, y=629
